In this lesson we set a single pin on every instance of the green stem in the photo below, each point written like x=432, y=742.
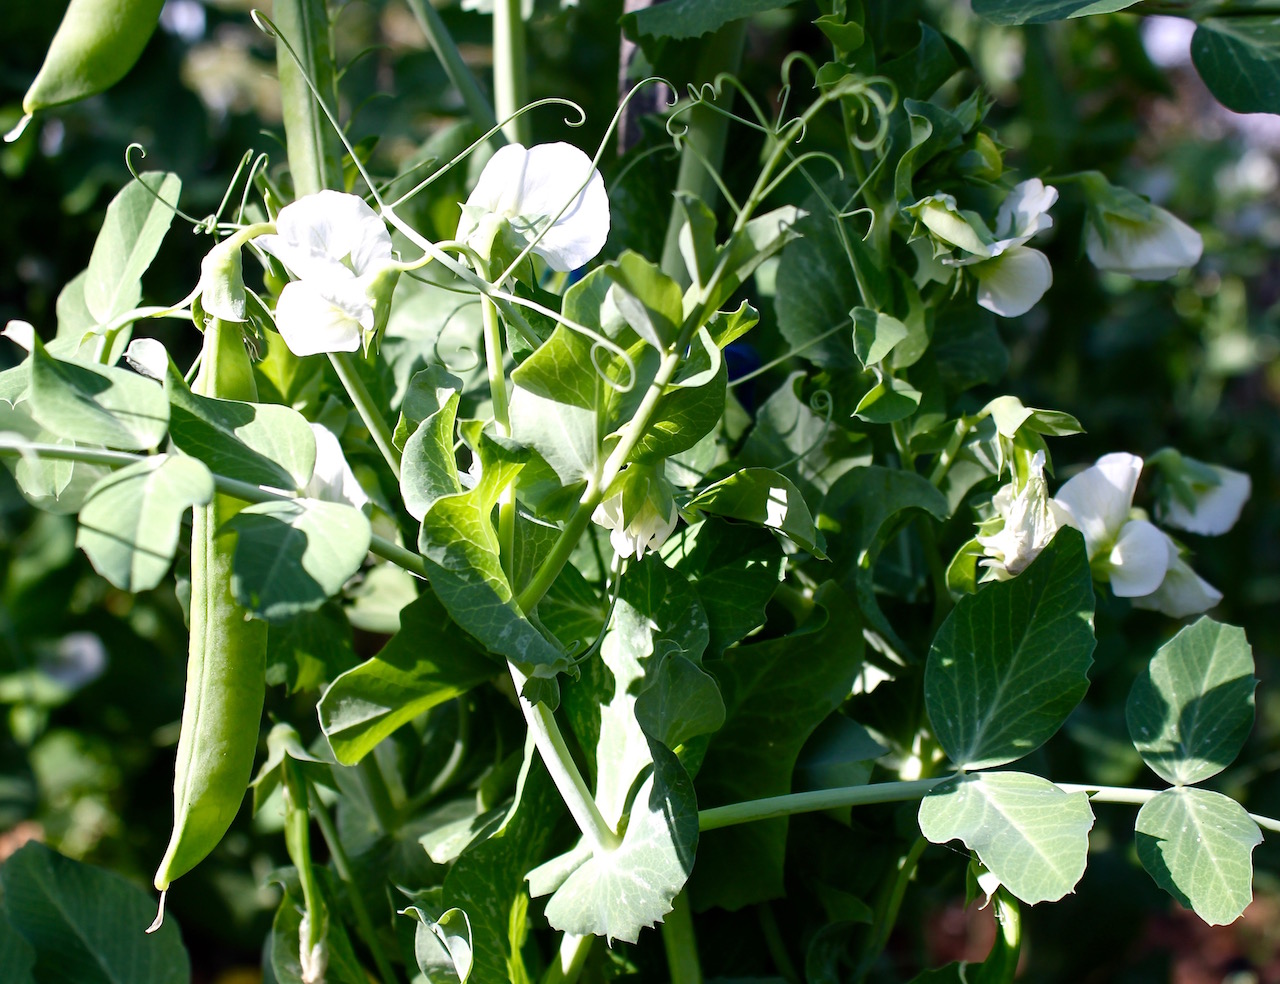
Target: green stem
x=775, y=944
x=375, y=788
x=510, y=69
x=312, y=145
x=704, y=141
x=1001, y=965
x=451, y=59
x=878, y=937
x=680, y=943
x=947, y=457
x=820, y=799
x=502, y=420
x=343, y=866
x=568, y=780
x=569, y=961
x=344, y=365
x=297, y=838
x=396, y=554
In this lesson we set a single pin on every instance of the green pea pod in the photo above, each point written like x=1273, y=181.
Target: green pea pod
x=97, y=42
x=226, y=663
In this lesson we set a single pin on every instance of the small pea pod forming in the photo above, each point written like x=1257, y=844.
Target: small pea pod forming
x=226, y=662
x=96, y=44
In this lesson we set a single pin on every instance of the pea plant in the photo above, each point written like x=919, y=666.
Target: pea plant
x=700, y=557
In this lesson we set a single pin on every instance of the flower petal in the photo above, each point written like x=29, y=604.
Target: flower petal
x=310, y=322
x=1217, y=506
x=1025, y=211
x=332, y=479
x=1154, y=249
x=1098, y=499
x=1139, y=559
x=327, y=232
x=1012, y=283
x=1182, y=592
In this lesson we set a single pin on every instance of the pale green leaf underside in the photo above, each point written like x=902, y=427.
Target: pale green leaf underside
x=1040, y=11
x=1032, y=835
x=135, y=224
x=1009, y=663
x=1198, y=846
x=1191, y=710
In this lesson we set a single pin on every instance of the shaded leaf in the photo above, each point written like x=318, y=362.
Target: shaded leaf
x=1239, y=60
x=763, y=497
x=130, y=237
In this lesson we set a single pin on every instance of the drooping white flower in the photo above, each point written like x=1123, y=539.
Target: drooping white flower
x=549, y=191
x=1130, y=553
x=641, y=514
x=332, y=479
x=340, y=252
x=1127, y=234
x=1204, y=498
x=1182, y=592
x=1031, y=519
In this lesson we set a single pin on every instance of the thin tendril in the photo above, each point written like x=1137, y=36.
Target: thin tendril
x=128, y=162
x=773, y=363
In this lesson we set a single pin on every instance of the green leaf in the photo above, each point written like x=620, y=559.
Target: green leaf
x=887, y=401
x=728, y=326
x=283, y=947
x=763, y=497
x=16, y=955
x=284, y=742
x=1190, y=711
x=130, y=522
x=258, y=443
x=1041, y=11
x=932, y=130
x=134, y=226
x=96, y=404
x=426, y=394
x=442, y=947
x=692, y=18
x=691, y=406
x=1198, y=846
x=697, y=238
x=310, y=649
x=75, y=320
x=776, y=694
x=817, y=289
x=1010, y=416
x=650, y=301
x=86, y=925
x=428, y=467
x=1239, y=60
x=429, y=661
x=875, y=334
x=564, y=435
x=292, y=556
x=1010, y=662
x=460, y=547
x=1032, y=835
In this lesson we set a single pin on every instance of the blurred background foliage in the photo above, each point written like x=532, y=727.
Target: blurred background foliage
x=91, y=678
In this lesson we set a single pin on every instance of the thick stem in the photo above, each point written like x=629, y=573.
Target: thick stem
x=559, y=762
x=344, y=364
x=343, y=866
x=820, y=799
x=502, y=420
x=680, y=943
x=510, y=69
x=451, y=59
x=313, y=147
x=297, y=838
x=705, y=139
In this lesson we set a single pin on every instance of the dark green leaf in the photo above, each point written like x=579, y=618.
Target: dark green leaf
x=692, y=18
x=310, y=649
x=1040, y=11
x=1239, y=60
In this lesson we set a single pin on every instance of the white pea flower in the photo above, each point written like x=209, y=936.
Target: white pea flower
x=332, y=479
x=340, y=252
x=548, y=190
x=1182, y=592
x=1031, y=519
x=1129, y=553
x=641, y=514
x=1202, y=498
x=1012, y=277
x=1127, y=234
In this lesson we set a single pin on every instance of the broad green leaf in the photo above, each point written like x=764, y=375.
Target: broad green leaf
x=310, y=649
x=1190, y=711
x=86, y=925
x=1011, y=662
x=866, y=505
x=782, y=689
x=341, y=967
x=758, y=240
x=460, y=546
x=1239, y=60
x=728, y=326
x=427, y=393
x=875, y=334
x=16, y=955
x=563, y=434
x=130, y=522
x=284, y=742
x=442, y=947
x=691, y=406
x=921, y=70
x=258, y=443
x=75, y=319
x=692, y=18
x=931, y=130
x=841, y=752
x=650, y=301
x=488, y=879
x=428, y=467
x=763, y=497
x=292, y=556
x=430, y=660
x=1198, y=846
x=1011, y=416
x=1032, y=835
x=96, y=404
x=967, y=346
x=697, y=238
x=887, y=401
x=1041, y=11
x=135, y=224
